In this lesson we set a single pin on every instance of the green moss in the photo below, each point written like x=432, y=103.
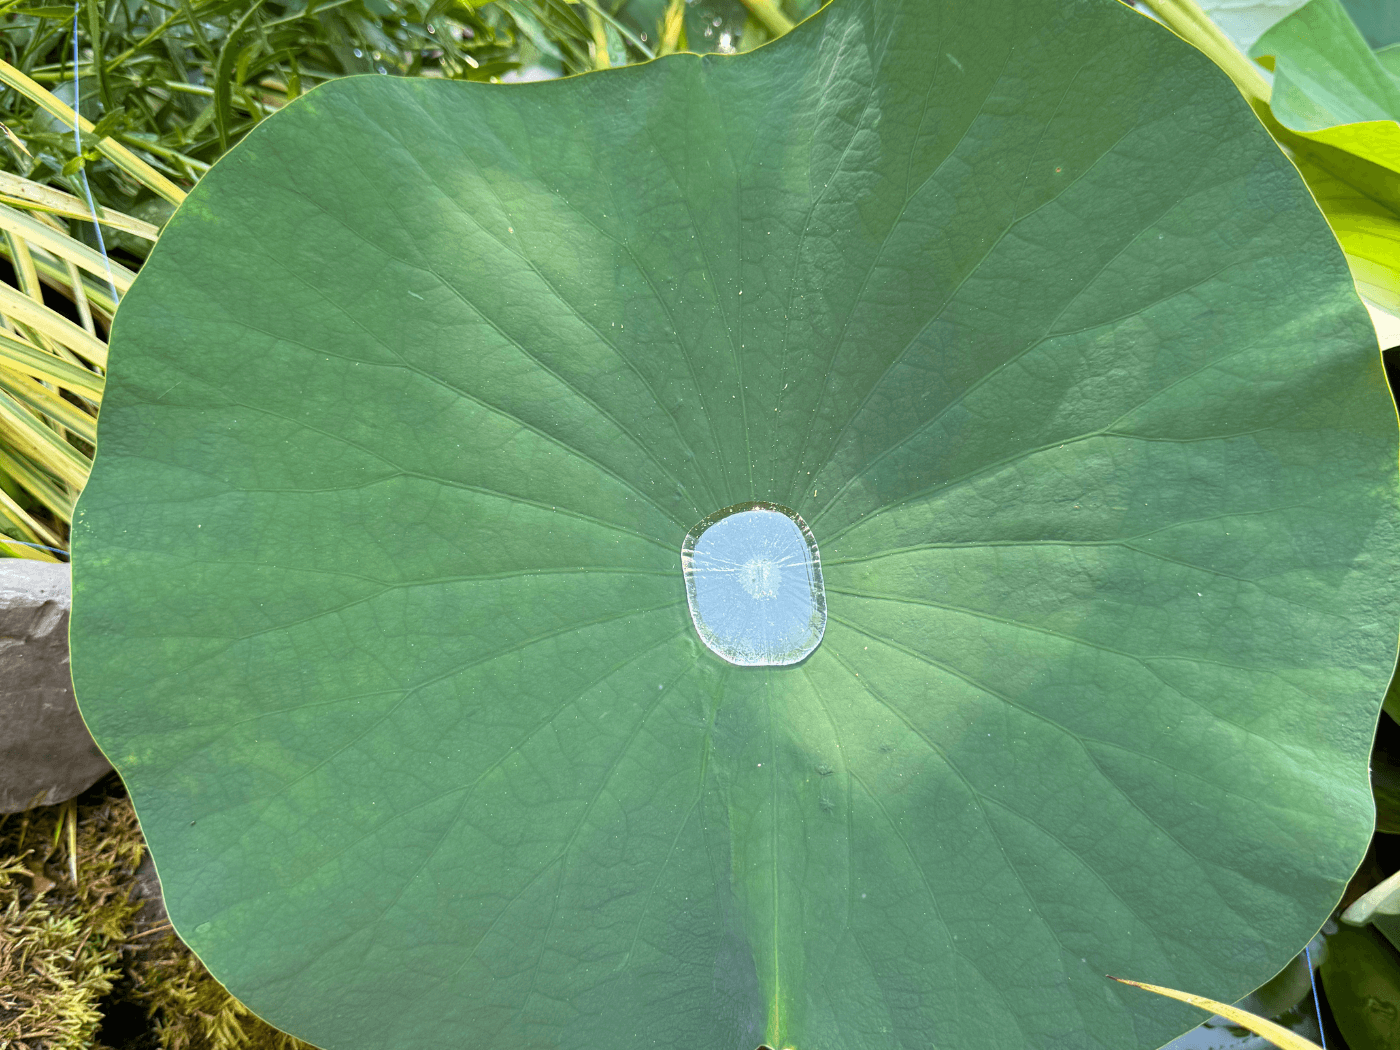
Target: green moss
x=60, y=937
x=192, y=1011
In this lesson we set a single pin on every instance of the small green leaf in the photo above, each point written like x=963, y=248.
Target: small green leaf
x=60, y=14
x=1381, y=899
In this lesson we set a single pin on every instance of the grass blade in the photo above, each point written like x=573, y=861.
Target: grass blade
x=114, y=151
x=1274, y=1033
x=33, y=195
x=20, y=307
x=74, y=251
x=27, y=359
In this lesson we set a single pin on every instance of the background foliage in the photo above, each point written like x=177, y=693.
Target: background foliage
x=183, y=81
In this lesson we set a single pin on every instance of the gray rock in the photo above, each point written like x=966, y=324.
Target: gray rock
x=146, y=889
x=46, y=752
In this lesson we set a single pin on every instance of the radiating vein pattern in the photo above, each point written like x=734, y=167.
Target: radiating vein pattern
x=445, y=731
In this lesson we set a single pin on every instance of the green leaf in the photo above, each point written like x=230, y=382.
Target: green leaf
x=1245, y=21
x=59, y=14
x=1324, y=74
x=1381, y=899
x=223, y=73
x=1334, y=107
x=1361, y=200
x=1389, y=58
x=1378, y=20
x=1362, y=979
x=378, y=595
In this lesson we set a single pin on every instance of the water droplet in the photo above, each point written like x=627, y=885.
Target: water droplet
x=203, y=927
x=753, y=580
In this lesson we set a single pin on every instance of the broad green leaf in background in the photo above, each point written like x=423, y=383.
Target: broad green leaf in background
x=1337, y=106
x=1324, y=74
x=1378, y=20
x=1389, y=58
x=378, y=595
x=1244, y=21
x=1362, y=979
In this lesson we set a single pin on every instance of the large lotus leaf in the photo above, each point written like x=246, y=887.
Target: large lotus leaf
x=379, y=605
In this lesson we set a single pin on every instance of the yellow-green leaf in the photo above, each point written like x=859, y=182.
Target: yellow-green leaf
x=65, y=247
x=28, y=359
x=54, y=325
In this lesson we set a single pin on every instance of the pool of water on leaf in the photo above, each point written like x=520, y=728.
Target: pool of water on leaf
x=753, y=580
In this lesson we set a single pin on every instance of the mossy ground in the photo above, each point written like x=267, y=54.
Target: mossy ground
x=86, y=963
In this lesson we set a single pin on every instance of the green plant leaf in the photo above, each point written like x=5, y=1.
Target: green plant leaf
x=1362, y=979
x=1245, y=21
x=1378, y=20
x=1382, y=899
x=1389, y=58
x=1361, y=200
x=1334, y=107
x=1324, y=74
x=378, y=594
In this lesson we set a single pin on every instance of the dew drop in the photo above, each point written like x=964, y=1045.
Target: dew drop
x=753, y=580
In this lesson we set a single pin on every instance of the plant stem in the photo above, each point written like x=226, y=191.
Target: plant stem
x=671, y=25
x=601, y=59
x=772, y=17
